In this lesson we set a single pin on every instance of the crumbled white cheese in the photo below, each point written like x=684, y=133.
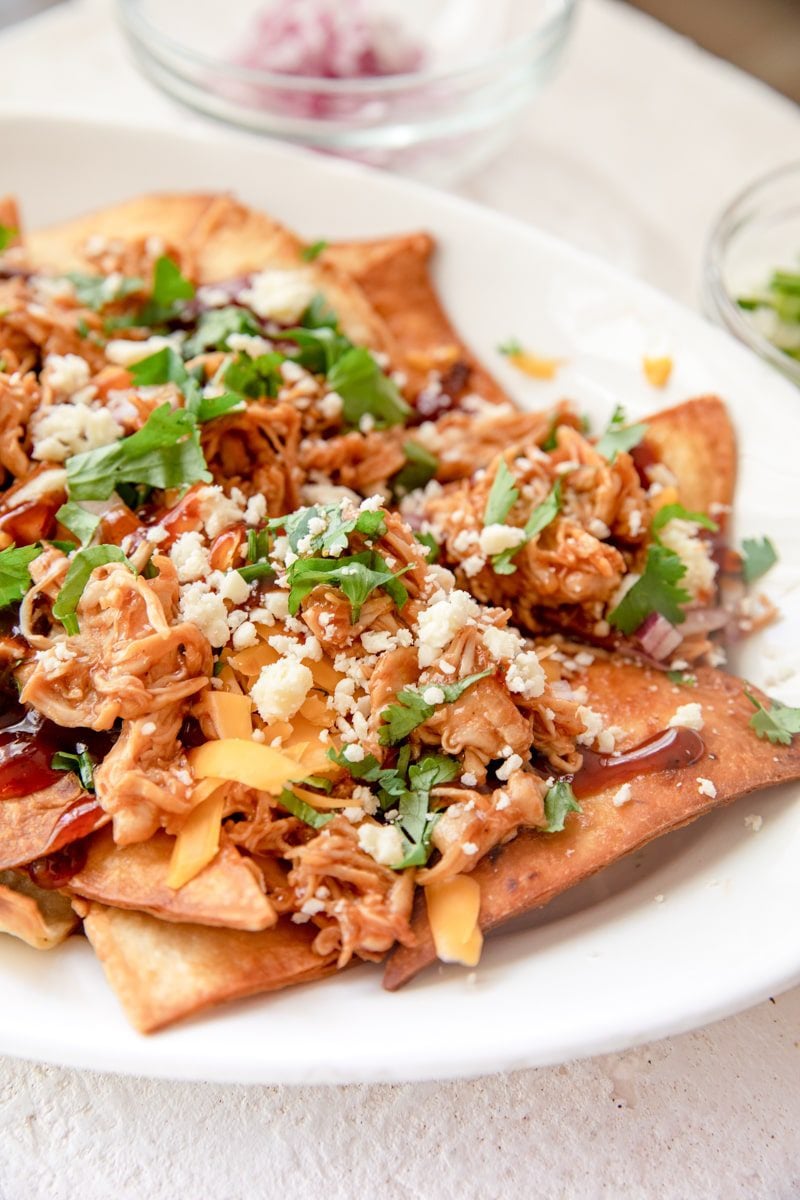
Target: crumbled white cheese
x=217, y=511
x=502, y=643
x=494, y=539
x=246, y=635
x=469, y=780
x=384, y=843
x=433, y=695
x=634, y=522
x=473, y=565
x=592, y=725
x=330, y=405
x=622, y=795
x=156, y=534
x=705, y=787
x=281, y=689
x=354, y=753
x=66, y=429
x=598, y=529
x=207, y=611
x=753, y=822
x=123, y=352
x=690, y=716
x=274, y=607
x=190, y=557
x=66, y=373
x=256, y=509
x=469, y=848
x=234, y=588
x=683, y=537
x=440, y=623
x=247, y=343
x=378, y=642
x=283, y=295
x=525, y=677
x=512, y=764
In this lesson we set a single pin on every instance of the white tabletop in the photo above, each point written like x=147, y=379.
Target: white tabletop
x=630, y=153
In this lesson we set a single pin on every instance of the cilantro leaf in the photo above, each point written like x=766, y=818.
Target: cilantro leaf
x=319, y=314
x=510, y=348
x=169, y=285
x=671, y=512
x=415, y=820
x=216, y=326
x=419, y=469
x=309, y=253
x=357, y=576
x=78, y=520
x=332, y=541
x=389, y=779
x=7, y=235
x=164, y=453
x=658, y=590
x=366, y=391
x=412, y=709
x=318, y=349
x=15, y=578
x=81, y=764
x=682, y=678
x=431, y=545
x=558, y=802
x=96, y=291
x=208, y=408
x=305, y=812
x=758, y=555
x=778, y=723
x=619, y=437
x=502, y=497
x=539, y=519
x=255, y=377
x=164, y=366
x=80, y=568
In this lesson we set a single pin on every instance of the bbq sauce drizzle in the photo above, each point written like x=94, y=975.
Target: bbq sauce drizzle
x=664, y=751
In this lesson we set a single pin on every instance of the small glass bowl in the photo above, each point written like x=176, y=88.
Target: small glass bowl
x=479, y=65
x=758, y=233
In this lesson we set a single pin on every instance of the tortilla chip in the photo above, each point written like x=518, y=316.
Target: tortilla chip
x=697, y=442
x=532, y=869
x=41, y=918
x=225, y=893
x=222, y=238
x=163, y=972
x=394, y=274
x=29, y=825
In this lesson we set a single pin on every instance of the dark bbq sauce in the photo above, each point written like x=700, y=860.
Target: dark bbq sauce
x=28, y=743
x=30, y=521
x=664, y=751
x=56, y=870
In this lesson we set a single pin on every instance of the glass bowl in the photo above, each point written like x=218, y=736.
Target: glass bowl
x=434, y=88
x=756, y=235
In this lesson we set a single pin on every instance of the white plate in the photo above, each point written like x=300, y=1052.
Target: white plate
x=606, y=966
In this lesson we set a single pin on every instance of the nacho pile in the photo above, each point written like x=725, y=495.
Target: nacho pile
x=316, y=648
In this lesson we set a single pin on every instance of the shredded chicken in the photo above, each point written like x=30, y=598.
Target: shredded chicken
x=256, y=451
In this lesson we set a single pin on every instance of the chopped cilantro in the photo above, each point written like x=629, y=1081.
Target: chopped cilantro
x=551, y=440
x=539, y=519
x=169, y=289
x=164, y=453
x=319, y=314
x=318, y=349
x=778, y=723
x=619, y=437
x=78, y=520
x=558, y=803
x=96, y=291
x=366, y=391
x=502, y=497
x=682, y=678
x=257, y=545
x=676, y=512
x=216, y=326
x=299, y=808
x=415, y=820
x=15, y=578
x=81, y=764
x=258, y=570
x=419, y=469
x=309, y=253
x=208, y=408
x=412, y=709
x=357, y=576
x=164, y=366
x=390, y=780
x=431, y=545
x=81, y=328
x=658, y=590
x=7, y=235
x=255, y=377
x=510, y=348
x=332, y=540
x=758, y=555
x=80, y=568
x=319, y=783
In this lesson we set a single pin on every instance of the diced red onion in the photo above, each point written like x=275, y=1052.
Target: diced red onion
x=658, y=637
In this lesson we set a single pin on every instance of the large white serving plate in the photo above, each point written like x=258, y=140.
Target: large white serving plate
x=606, y=966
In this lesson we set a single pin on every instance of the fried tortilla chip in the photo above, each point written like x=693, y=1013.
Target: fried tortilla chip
x=394, y=274
x=225, y=893
x=696, y=441
x=38, y=824
x=221, y=239
x=162, y=972
x=532, y=869
x=41, y=918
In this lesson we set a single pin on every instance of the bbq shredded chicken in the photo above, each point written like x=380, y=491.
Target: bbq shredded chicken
x=263, y=593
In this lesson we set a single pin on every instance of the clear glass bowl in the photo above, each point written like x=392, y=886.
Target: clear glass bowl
x=758, y=233
x=466, y=70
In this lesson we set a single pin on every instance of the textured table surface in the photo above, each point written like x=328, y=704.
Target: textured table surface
x=630, y=154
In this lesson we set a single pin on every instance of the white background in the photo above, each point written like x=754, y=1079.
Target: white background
x=630, y=153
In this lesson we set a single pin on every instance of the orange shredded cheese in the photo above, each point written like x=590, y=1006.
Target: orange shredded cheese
x=242, y=761
x=534, y=365
x=453, y=908
x=198, y=842
x=657, y=370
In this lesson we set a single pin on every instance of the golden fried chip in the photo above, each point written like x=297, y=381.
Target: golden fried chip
x=697, y=442
x=44, y=821
x=41, y=918
x=221, y=239
x=394, y=274
x=532, y=869
x=225, y=893
x=162, y=972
